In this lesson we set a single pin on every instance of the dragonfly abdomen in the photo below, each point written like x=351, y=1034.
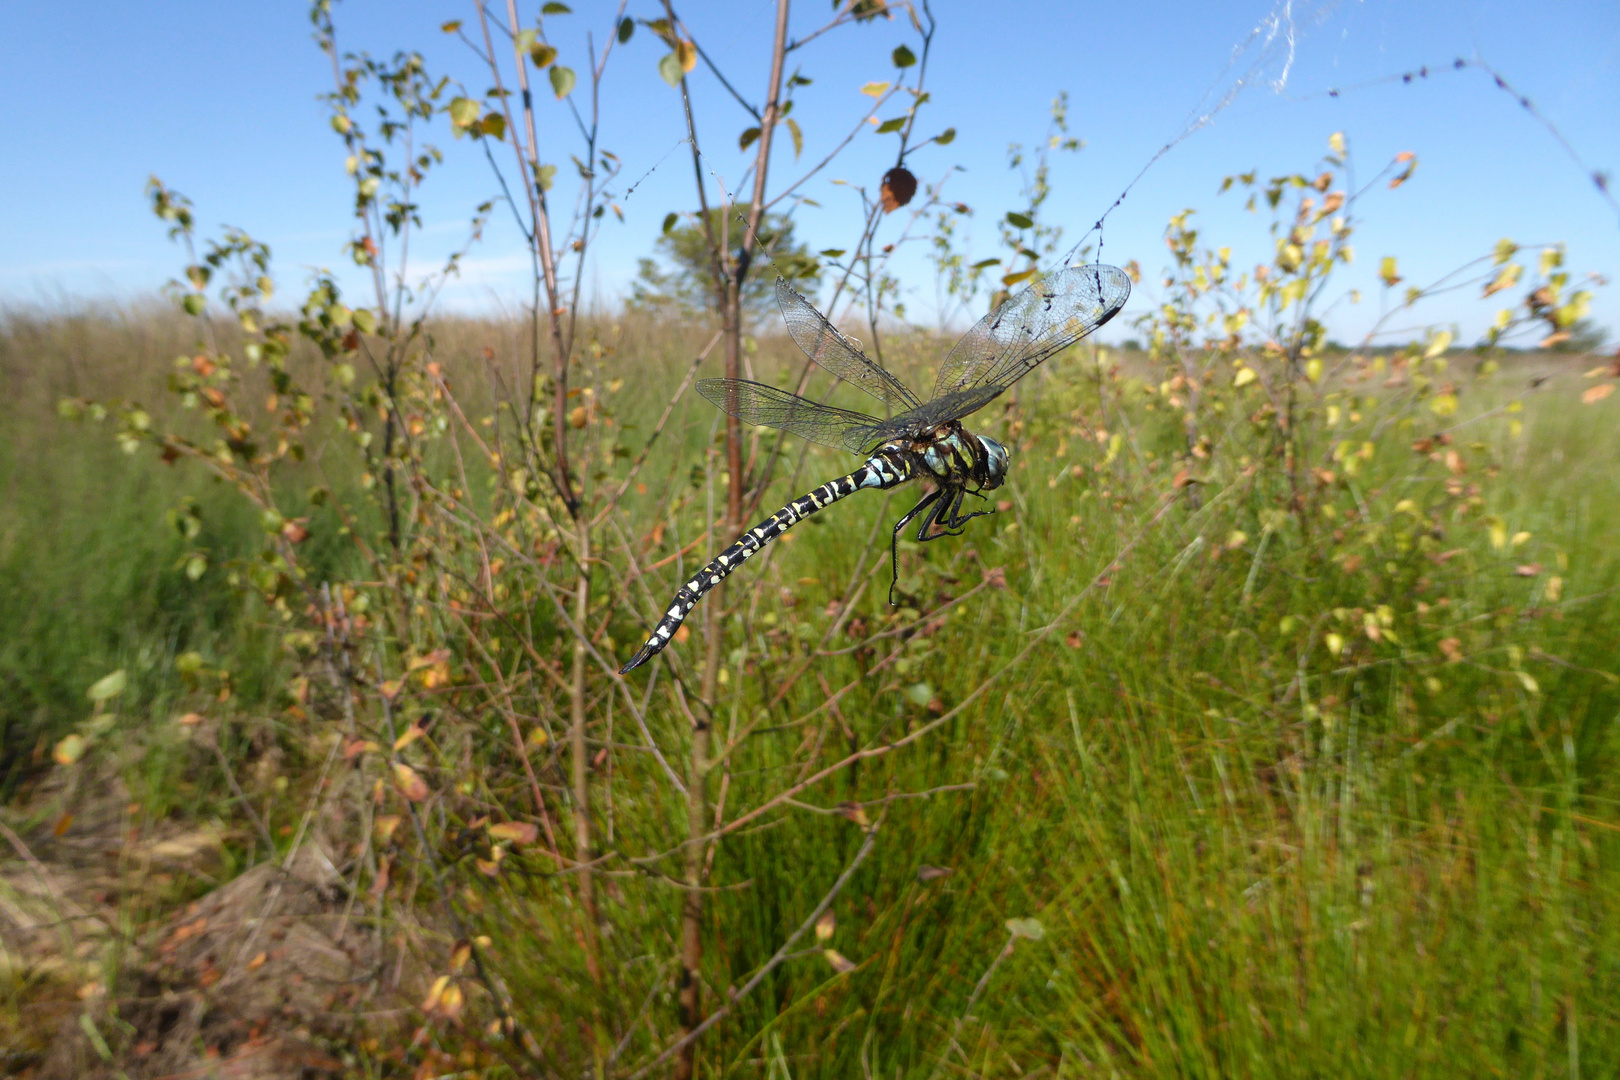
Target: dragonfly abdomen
x=882, y=470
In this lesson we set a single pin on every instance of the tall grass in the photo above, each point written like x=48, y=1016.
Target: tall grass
x=1405, y=864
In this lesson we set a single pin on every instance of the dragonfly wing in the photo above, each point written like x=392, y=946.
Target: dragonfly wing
x=756, y=403
x=1044, y=319
x=822, y=343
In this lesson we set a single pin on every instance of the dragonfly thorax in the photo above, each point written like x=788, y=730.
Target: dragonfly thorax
x=956, y=458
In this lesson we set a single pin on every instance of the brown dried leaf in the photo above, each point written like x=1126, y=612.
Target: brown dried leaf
x=899, y=185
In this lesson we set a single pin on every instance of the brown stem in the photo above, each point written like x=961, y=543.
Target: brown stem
x=581, y=761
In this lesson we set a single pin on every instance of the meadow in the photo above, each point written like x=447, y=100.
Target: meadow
x=1149, y=775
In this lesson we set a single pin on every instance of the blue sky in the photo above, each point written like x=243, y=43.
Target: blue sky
x=219, y=100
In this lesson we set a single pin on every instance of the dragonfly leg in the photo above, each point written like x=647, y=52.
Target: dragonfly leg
x=950, y=518
x=928, y=501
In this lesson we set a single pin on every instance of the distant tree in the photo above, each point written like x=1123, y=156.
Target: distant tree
x=681, y=280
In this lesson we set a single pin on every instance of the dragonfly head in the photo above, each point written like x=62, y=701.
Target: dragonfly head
x=995, y=461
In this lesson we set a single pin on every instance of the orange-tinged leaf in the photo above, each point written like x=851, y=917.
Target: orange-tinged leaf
x=358, y=747
x=385, y=827
x=409, y=782
x=1597, y=393
x=70, y=749
x=686, y=55
x=826, y=925
x=1451, y=648
x=518, y=832
x=437, y=656
x=411, y=734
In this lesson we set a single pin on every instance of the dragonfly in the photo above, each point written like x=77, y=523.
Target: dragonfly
x=920, y=440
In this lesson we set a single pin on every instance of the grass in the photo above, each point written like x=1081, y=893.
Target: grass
x=1405, y=864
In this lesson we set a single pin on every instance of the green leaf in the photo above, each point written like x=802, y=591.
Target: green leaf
x=832, y=253
x=1019, y=221
x=194, y=303
x=891, y=125
x=920, y=693
x=555, y=8
x=626, y=28
x=463, y=113
x=108, y=686
x=669, y=221
x=365, y=321
x=544, y=175
x=452, y=26
x=493, y=125
x=747, y=138
x=946, y=137
x=1013, y=279
x=542, y=54
x=562, y=81
x=1030, y=928
x=903, y=57
x=196, y=566
x=982, y=263
x=798, y=137
x=526, y=39
x=670, y=68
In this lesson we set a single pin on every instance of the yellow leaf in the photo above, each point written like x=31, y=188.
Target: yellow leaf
x=875, y=89
x=1597, y=393
x=1334, y=643
x=1528, y=681
x=1443, y=404
x=1441, y=342
x=1499, y=533
x=1244, y=377
x=432, y=1000
x=686, y=55
x=460, y=954
x=1313, y=369
x=1555, y=589
x=1237, y=539
x=1336, y=141
x=1387, y=272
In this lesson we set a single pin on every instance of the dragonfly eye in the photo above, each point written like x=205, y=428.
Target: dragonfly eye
x=995, y=459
